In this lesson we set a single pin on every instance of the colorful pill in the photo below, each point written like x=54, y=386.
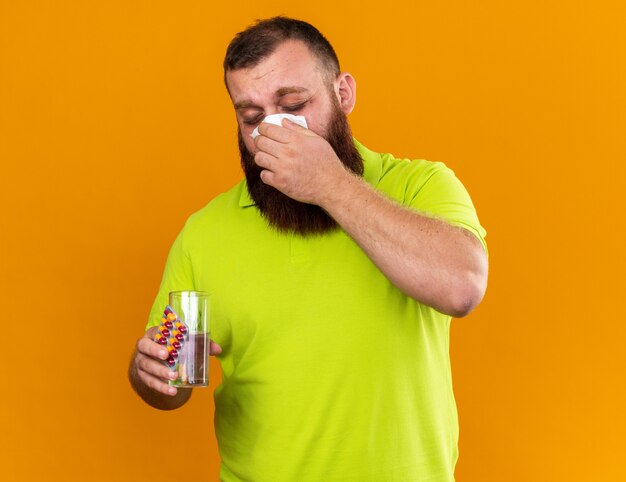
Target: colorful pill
x=164, y=331
x=171, y=331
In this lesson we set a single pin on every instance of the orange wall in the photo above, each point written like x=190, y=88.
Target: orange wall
x=115, y=126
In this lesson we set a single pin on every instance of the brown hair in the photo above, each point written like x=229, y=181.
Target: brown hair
x=260, y=40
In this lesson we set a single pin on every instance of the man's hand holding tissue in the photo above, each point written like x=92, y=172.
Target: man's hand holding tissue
x=298, y=162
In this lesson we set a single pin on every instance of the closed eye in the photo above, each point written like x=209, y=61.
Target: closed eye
x=293, y=108
x=253, y=121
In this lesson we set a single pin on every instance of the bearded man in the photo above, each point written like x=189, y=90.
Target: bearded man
x=334, y=272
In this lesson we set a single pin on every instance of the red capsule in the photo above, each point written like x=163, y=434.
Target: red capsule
x=182, y=328
x=172, y=351
x=171, y=362
x=175, y=344
x=168, y=325
x=161, y=340
x=164, y=331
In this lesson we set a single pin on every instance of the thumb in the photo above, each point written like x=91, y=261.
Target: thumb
x=214, y=348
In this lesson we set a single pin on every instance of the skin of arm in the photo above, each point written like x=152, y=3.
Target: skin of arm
x=438, y=264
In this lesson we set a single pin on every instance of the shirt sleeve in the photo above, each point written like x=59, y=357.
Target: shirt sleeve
x=177, y=276
x=442, y=195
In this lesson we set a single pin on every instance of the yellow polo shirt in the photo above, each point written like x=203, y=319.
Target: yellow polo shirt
x=330, y=373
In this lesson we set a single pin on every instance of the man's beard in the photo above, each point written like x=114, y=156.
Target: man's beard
x=286, y=214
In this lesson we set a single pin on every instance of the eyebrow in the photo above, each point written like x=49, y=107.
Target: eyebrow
x=282, y=92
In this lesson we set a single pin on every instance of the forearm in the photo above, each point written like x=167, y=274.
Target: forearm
x=430, y=260
x=151, y=396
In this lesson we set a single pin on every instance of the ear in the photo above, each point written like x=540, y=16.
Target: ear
x=346, y=90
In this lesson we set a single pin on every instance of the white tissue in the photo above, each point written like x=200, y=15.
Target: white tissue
x=277, y=119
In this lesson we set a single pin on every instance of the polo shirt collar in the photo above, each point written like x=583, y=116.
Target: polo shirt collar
x=372, y=169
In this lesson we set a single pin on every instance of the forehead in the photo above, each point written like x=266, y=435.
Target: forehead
x=291, y=66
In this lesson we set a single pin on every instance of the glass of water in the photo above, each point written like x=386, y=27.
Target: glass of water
x=192, y=307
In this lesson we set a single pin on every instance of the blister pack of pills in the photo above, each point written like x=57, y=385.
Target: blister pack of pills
x=173, y=334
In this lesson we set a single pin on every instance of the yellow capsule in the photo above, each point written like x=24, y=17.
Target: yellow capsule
x=171, y=316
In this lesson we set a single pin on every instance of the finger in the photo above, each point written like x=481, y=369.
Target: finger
x=274, y=132
x=264, y=160
x=155, y=383
x=214, y=348
x=151, y=348
x=268, y=177
x=292, y=126
x=268, y=145
x=154, y=367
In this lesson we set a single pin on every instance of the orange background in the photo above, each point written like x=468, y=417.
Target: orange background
x=115, y=126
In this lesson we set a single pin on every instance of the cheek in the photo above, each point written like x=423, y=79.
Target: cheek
x=318, y=116
x=313, y=119
x=317, y=123
x=249, y=143
x=247, y=138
